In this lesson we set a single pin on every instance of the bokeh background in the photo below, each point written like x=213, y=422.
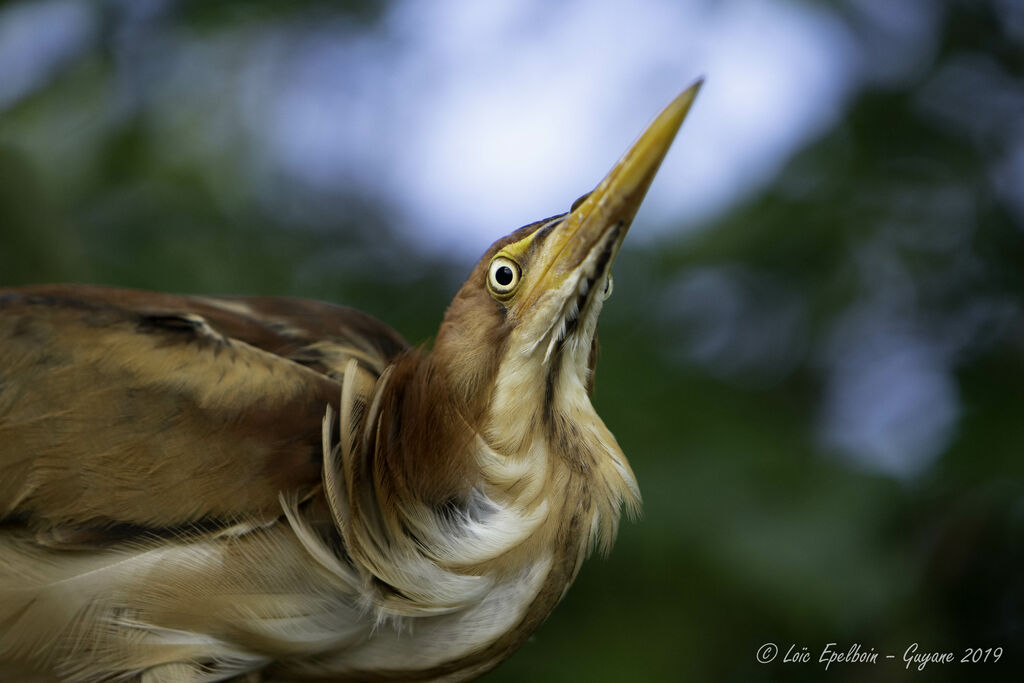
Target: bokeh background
x=814, y=356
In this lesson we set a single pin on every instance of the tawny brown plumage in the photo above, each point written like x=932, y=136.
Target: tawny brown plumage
x=204, y=488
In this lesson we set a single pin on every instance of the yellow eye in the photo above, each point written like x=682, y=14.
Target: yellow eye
x=503, y=275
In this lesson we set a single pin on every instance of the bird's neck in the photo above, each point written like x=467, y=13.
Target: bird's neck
x=437, y=512
x=422, y=436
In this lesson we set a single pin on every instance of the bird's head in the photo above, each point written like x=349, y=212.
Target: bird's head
x=519, y=340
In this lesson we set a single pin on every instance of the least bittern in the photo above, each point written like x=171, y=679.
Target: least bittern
x=202, y=488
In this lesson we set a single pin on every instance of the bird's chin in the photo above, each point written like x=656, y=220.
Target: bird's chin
x=570, y=340
x=570, y=344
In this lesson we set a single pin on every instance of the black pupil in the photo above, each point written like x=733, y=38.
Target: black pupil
x=504, y=276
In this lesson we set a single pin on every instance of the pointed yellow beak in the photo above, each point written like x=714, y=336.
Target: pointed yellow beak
x=571, y=245
x=617, y=197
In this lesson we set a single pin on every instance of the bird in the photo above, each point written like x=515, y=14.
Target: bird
x=209, y=488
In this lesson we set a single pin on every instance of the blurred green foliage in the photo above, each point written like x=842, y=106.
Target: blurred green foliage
x=754, y=529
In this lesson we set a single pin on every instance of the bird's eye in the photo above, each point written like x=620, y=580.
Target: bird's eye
x=609, y=285
x=503, y=275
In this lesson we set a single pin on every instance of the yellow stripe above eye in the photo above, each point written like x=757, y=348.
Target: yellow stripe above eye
x=516, y=250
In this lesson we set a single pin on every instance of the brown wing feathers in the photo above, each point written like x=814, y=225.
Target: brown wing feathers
x=125, y=411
